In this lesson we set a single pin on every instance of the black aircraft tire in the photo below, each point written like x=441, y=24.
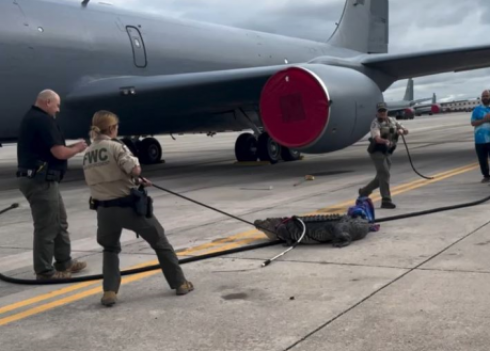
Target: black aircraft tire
x=289, y=155
x=246, y=148
x=268, y=149
x=150, y=151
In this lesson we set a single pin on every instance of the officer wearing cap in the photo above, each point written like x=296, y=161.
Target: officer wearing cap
x=42, y=157
x=113, y=176
x=382, y=143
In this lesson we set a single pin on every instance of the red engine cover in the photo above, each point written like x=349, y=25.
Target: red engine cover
x=409, y=112
x=294, y=107
x=435, y=109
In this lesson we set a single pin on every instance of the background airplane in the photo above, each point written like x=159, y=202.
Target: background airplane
x=404, y=109
x=430, y=109
x=165, y=75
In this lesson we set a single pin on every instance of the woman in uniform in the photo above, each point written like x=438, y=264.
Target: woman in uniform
x=113, y=175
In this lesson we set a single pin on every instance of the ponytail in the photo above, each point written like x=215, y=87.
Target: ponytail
x=101, y=123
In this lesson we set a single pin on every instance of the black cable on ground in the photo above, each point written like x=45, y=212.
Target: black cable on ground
x=136, y=270
x=434, y=210
x=148, y=268
x=411, y=163
x=216, y=254
x=11, y=207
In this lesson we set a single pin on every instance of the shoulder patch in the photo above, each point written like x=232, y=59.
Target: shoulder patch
x=118, y=141
x=122, y=145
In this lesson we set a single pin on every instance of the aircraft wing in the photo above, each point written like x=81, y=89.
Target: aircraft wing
x=150, y=96
x=415, y=64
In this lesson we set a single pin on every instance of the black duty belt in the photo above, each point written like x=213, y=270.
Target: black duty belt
x=49, y=175
x=120, y=202
x=22, y=174
x=138, y=200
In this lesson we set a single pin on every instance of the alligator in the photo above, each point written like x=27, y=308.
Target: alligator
x=339, y=230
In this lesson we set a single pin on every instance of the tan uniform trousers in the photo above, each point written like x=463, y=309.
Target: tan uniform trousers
x=382, y=163
x=111, y=221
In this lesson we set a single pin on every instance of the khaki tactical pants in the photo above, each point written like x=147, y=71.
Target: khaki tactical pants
x=111, y=221
x=382, y=163
x=51, y=237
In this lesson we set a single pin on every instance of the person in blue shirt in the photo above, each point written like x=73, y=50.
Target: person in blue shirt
x=480, y=119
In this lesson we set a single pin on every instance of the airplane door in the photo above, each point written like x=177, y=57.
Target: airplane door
x=139, y=52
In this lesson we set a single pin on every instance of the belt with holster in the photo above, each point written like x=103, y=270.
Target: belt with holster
x=41, y=173
x=138, y=199
x=120, y=202
x=376, y=147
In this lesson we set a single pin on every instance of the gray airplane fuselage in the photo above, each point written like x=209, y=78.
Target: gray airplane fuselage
x=61, y=45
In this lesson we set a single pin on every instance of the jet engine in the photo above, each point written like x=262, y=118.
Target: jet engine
x=409, y=113
x=317, y=108
x=435, y=109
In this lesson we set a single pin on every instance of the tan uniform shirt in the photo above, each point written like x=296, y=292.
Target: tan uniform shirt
x=107, y=166
x=381, y=128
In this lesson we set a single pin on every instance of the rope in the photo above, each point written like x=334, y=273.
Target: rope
x=411, y=163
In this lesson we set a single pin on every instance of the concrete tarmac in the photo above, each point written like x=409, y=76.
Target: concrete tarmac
x=417, y=284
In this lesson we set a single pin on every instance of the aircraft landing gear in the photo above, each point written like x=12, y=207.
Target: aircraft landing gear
x=148, y=150
x=268, y=149
x=290, y=155
x=248, y=148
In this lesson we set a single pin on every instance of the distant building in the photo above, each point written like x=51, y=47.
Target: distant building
x=459, y=105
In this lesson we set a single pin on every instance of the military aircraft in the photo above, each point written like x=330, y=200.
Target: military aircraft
x=401, y=108
x=431, y=108
x=404, y=109
x=165, y=75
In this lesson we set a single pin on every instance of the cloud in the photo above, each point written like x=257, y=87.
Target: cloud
x=415, y=25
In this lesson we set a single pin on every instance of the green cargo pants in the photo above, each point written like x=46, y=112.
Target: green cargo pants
x=51, y=237
x=111, y=221
x=382, y=163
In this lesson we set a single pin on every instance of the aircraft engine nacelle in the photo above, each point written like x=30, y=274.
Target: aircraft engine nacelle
x=435, y=109
x=409, y=112
x=316, y=108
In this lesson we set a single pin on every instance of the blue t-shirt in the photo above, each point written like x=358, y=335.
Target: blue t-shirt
x=482, y=132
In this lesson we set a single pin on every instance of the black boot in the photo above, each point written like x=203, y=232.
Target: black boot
x=361, y=194
x=388, y=205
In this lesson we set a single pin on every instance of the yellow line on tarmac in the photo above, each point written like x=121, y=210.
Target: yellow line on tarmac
x=402, y=188
x=250, y=236
x=84, y=294
x=79, y=286
x=43, y=297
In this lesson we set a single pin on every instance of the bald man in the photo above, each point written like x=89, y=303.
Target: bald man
x=42, y=157
x=480, y=120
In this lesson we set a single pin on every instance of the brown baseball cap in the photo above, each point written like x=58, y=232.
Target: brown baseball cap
x=381, y=106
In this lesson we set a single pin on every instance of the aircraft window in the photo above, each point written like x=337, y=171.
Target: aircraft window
x=41, y=29
x=137, y=43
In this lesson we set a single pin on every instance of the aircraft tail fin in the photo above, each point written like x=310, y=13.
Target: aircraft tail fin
x=434, y=98
x=363, y=27
x=409, y=91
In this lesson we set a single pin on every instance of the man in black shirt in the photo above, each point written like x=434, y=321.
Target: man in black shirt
x=42, y=157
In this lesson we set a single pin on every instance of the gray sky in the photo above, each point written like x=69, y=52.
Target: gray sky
x=415, y=25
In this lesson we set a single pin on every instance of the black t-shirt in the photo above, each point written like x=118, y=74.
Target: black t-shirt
x=38, y=133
